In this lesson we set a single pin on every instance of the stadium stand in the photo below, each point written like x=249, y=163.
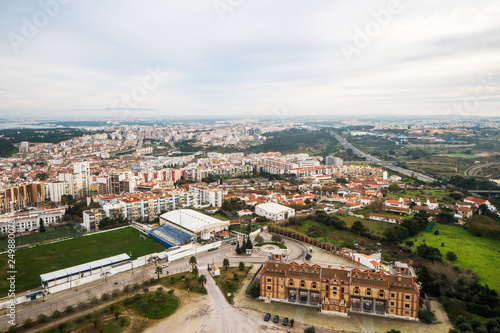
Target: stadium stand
x=170, y=235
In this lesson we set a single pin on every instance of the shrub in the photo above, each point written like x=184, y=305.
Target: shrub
x=41, y=318
x=464, y=327
x=28, y=323
x=94, y=301
x=451, y=256
x=475, y=323
x=310, y=330
x=426, y=316
x=409, y=243
x=56, y=314
x=105, y=297
x=436, y=232
x=171, y=291
x=123, y=321
x=115, y=293
x=308, y=256
x=241, y=266
x=127, y=288
x=235, y=277
x=394, y=331
x=136, y=286
x=68, y=309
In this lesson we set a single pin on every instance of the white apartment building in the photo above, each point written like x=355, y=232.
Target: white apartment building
x=30, y=220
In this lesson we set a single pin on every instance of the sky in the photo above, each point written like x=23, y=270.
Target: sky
x=239, y=58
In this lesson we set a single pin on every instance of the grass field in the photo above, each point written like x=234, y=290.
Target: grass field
x=40, y=237
x=481, y=255
x=463, y=155
x=30, y=263
x=375, y=226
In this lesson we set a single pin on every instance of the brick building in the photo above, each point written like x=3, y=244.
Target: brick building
x=340, y=291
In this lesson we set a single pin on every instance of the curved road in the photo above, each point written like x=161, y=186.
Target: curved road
x=475, y=169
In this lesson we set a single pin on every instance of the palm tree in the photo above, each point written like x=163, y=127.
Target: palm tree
x=202, y=279
x=195, y=272
x=158, y=271
x=192, y=261
x=225, y=263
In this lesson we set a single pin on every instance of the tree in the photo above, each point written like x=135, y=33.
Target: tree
x=192, y=261
x=310, y=330
x=451, y=256
x=42, y=227
x=375, y=206
x=259, y=239
x=394, y=331
x=358, y=227
x=96, y=321
x=225, y=263
x=117, y=313
x=196, y=272
x=308, y=256
x=28, y=323
x=202, y=279
x=158, y=271
x=276, y=238
x=394, y=188
x=62, y=326
x=241, y=266
x=238, y=248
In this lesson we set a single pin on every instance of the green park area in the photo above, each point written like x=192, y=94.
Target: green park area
x=480, y=255
x=30, y=263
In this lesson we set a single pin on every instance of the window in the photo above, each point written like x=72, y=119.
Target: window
x=392, y=303
x=356, y=291
x=291, y=283
x=393, y=295
x=407, y=306
x=326, y=288
x=368, y=293
x=268, y=287
x=303, y=285
x=381, y=295
x=407, y=313
x=407, y=297
x=269, y=280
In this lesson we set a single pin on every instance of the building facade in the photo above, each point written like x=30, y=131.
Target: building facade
x=340, y=291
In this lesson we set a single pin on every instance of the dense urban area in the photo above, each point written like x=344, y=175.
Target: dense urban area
x=383, y=225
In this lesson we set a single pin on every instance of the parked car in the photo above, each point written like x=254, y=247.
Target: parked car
x=267, y=317
x=276, y=319
x=164, y=266
x=285, y=322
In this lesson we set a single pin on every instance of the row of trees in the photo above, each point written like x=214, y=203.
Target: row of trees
x=409, y=227
x=246, y=244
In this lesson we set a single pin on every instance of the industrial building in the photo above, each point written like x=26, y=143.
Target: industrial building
x=274, y=211
x=194, y=222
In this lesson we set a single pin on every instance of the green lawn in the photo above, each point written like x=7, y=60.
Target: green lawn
x=40, y=237
x=463, y=156
x=281, y=246
x=375, y=226
x=30, y=263
x=479, y=254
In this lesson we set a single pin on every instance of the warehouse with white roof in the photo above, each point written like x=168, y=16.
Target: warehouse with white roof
x=194, y=222
x=274, y=211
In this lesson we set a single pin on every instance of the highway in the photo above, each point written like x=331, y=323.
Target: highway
x=373, y=160
x=475, y=169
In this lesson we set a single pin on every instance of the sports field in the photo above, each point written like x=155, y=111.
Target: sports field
x=30, y=263
x=480, y=255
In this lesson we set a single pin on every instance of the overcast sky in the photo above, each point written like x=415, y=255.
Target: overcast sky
x=249, y=58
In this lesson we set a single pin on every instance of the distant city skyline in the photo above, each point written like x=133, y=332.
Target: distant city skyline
x=238, y=59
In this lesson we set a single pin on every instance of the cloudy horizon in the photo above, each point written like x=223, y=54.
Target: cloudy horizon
x=240, y=58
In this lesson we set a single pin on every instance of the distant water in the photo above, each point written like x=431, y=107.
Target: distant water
x=23, y=125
